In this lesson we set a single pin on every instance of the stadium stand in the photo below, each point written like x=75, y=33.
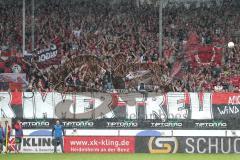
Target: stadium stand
x=98, y=46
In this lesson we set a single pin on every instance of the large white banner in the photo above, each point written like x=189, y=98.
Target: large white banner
x=199, y=106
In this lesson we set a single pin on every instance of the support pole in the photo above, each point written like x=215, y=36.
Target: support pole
x=33, y=25
x=160, y=28
x=23, y=27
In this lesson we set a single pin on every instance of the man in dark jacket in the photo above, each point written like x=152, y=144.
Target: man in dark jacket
x=18, y=135
x=58, y=133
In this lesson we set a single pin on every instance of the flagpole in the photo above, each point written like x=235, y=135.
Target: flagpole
x=6, y=141
x=33, y=25
x=160, y=28
x=23, y=27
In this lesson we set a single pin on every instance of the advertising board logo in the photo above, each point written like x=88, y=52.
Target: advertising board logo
x=168, y=124
x=122, y=124
x=163, y=145
x=213, y=124
x=37, y=141
x=35, y=124
x=78, y=124
x=11, y=145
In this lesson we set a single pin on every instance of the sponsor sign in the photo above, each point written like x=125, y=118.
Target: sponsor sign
x=122, y=124
x=168, y=124
x=212, y=124
x=48, y=123
x=38, y=144
x=210, y=145
x=191, y=124
x=156, y=145
x=163, y=145
x=99, y=144
x=131, y=124
x=34, y=123
x=78, y=124
x=187, y=145
x=11, y=145
x=34, y=144
x=226, y=105
x=139, y=144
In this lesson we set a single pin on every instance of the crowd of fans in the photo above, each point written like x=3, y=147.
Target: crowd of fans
x=103, y=46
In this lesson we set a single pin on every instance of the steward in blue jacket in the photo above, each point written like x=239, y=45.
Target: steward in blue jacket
x=58, y=133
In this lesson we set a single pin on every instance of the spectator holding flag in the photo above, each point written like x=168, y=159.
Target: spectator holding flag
x=7, y=133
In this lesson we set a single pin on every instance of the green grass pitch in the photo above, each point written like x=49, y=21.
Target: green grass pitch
x=120, y=157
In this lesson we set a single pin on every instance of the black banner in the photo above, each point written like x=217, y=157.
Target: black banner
x=46, y=54
x=134, y=124
x=187, y=145
x=224, y=111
